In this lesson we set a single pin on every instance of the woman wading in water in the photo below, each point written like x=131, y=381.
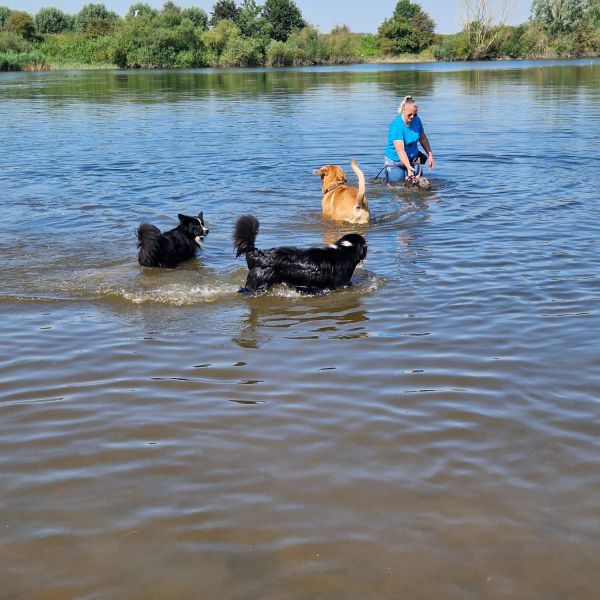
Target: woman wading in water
x=402, y=157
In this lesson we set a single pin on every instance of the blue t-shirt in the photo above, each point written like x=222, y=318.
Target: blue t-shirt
x=409, y=134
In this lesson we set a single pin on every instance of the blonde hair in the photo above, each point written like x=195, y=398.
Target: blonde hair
x=407, y=100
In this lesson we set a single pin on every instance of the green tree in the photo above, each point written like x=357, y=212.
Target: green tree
x=368, y=45
x=514, y=46
x=410, y=29
x=134, y=34
x=4, y=13
x=90, y=16
x=305, y=46
x=51, y=20
x=170, y=6
x=13, y=42
x=170, y=16
x=341, y=45
x=284, y=17
x=251, y=22
x=422, y=30
x=21, y=23
x=278, y=54
x=196, y=15
x=561, y=16
x=484, y=25
x=139, y=9
x=216, y=39
x=595, y=14
x=241, y=52
x=405, y=10
x=142, y=44
x=456, y=46
x=223, y=10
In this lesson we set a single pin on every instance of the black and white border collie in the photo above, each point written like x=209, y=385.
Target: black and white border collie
x=168, y=249
x=309, y=270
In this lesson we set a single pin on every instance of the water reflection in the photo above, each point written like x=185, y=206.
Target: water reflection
x=338, y=315
x=156, y=87
x=567, y=77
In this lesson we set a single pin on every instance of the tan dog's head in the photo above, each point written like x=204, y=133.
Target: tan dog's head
x=330, y=175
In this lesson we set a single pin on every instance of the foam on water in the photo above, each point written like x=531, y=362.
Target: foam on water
x=175, y=294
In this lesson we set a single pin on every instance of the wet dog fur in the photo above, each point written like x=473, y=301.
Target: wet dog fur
x=419, y=182
x=309, y=270
x=168, y=249
x=343, y=202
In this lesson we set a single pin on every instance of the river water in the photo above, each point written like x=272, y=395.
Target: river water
x=431, y=432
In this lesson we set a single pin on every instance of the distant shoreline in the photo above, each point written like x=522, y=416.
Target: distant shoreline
x=250, y=36
x=417, y=59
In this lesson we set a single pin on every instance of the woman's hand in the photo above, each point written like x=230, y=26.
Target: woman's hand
x=431, y=161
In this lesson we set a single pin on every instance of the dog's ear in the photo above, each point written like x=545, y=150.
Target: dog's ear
x=322, y=171
x=181, y=218
x=201, y=215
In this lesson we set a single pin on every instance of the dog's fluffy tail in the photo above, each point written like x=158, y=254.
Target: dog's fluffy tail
x=244, y=234
x=148, y=244
x=360, y=197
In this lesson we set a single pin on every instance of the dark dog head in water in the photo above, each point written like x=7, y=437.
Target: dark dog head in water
x=419, y=182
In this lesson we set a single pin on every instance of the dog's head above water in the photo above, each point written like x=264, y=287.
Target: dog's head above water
x=194, y=226
x=353, y=241
x=330, y=175
x=419, y=183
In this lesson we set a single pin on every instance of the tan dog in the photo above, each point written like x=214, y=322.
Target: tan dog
x=343, y=202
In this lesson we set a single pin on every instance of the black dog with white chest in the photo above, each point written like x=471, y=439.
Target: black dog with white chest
x=309, y=270
x=168, y=249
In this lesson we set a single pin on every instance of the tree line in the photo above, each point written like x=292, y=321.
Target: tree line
x=275, y=33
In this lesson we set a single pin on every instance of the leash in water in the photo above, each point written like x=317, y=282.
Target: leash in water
x=380, y=172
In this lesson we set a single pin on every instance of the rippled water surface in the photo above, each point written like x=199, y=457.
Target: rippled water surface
x=430, y=433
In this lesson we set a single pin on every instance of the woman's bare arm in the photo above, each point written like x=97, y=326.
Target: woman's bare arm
x=425, y=143
x=399, y=145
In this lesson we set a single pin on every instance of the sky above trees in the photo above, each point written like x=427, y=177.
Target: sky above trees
x=360, y=17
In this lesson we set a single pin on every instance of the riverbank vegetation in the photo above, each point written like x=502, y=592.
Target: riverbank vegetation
x=275, y=33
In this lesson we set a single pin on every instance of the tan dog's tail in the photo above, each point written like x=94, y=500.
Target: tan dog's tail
x=360, y=197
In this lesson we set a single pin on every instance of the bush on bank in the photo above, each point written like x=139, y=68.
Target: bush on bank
x=22, y=61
